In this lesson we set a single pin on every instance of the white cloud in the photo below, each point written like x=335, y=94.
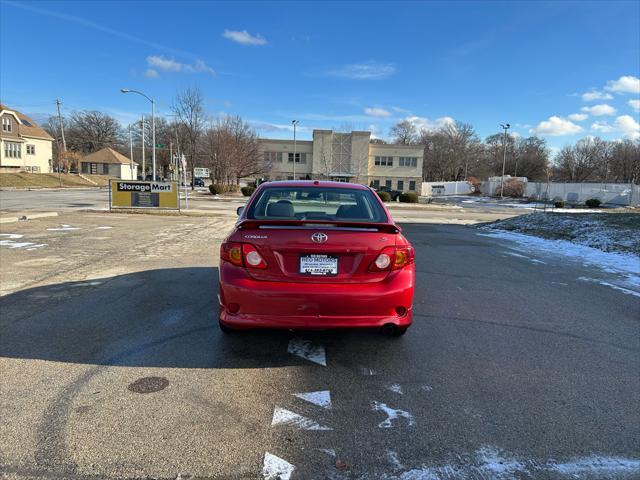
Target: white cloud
x=376, y=132
x=401, y=110
x=556, y=126
x=578, y=117
x=601, y=127
x=625, y=84
x=158, y=62
x=424, y=123
x=377, y=112
x=599, y=110
x=628, y=126
x=596, y=95
x=635, y=104
x=162, y=63
x=198, y=67
x=364, y=71
x=151, y=73
x=244, y=38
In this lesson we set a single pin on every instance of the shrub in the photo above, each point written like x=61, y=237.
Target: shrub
x=409, y=197
x=384, y=196
x=216, y=189
x=247, y=191
x=231, y=188
x=558, y=203
x=512, y=188
x=593, y=203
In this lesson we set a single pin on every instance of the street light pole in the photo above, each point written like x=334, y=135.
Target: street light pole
x=153, y=124
x=131, y=153
x=153, y=136
x=144, y=162
x=506, y=127
x=294, y=122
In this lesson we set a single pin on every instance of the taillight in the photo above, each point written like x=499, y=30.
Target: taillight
x=393, y=258
x=242, y=255
x=231, y=252
x=252, y=257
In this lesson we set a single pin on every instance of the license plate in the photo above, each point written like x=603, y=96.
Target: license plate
x=319, y=265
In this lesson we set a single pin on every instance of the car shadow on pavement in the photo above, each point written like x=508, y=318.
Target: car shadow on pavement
x=152, y=318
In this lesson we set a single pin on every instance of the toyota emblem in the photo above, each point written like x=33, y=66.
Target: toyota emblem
x=319, y=237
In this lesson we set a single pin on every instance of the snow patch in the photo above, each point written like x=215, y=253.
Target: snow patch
x=307, y=350
x=624, y=264
x=396, y=388
x=392, y=414
x=63, y=228
x=11, y=236
x=611, y=285
x=597, y=467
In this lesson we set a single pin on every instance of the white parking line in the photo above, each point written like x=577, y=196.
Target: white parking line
x=307, y=350
x=63, y=228
x=276, y=468
x=321, y=398
x=282, y=416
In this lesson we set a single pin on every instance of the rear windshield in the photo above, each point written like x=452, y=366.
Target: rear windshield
x=317, y=203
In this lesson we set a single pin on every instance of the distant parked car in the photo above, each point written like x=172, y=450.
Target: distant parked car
x=197, y=182
x=394, y=193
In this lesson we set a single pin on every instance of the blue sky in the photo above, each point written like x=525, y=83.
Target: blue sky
x=363, y=64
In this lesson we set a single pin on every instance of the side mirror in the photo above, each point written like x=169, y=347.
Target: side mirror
x=240, y=210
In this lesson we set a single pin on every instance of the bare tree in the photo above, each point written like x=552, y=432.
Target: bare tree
x=582, y=161
x=404, y=132
x=188, y=108
x=625, y=161
x=89, y=131
x=231, y=150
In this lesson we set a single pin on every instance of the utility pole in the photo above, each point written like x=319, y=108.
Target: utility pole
x=171, y=157
x=294, y=122
x=506, y=127
x=153, y=136
x=144, y=165
x=131, y=152
x=64, y=142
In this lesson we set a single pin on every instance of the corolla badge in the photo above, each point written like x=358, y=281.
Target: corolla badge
x=319, y=237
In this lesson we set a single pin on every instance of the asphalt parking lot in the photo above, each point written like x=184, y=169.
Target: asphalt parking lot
x=113, y=365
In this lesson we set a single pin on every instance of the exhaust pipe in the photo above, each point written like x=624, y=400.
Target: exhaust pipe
x=389, y=330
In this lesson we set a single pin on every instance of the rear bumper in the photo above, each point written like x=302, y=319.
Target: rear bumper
x=312, y=305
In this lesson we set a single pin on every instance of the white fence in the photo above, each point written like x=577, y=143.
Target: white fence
x=434, y=189
x=624, y=194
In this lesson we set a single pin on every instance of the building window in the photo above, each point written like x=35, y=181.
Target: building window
x=105, y=168
x=300, y=157
x=6, y=124
x=376, y=184
x=31, y=149
x=384, y=161
x=12, y=150
x=412, y=185
x=401, y=185
x=387, y=183
x=408, y=161
x=273, y=157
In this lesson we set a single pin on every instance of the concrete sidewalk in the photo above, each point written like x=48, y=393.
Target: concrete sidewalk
x=10, y=217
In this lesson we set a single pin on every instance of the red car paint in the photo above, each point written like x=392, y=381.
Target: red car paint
x=260, y=280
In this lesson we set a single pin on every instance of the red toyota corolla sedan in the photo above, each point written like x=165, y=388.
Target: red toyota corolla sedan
x=316, y=255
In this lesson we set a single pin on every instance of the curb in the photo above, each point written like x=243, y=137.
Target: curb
x=32, y=216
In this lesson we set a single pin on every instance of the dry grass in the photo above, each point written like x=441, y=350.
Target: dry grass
x=48, y=180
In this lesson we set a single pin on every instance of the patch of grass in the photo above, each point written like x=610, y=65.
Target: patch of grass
x=610, y=232
x=43, y=180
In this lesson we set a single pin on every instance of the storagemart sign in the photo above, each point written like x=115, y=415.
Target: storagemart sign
x=132, y=194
